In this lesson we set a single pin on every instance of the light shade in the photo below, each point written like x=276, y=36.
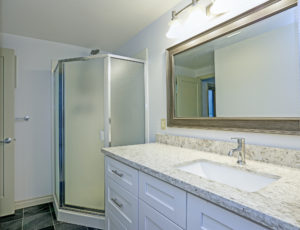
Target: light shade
x=219, y=7
x=195, y=18
x=175, y=29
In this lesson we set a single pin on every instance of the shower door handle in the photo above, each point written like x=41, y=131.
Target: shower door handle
x=6, y=140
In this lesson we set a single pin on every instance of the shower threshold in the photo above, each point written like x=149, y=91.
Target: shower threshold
x=78, y=216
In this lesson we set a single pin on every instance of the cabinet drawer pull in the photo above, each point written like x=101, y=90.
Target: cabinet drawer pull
x=116, y=202
x=117, y=173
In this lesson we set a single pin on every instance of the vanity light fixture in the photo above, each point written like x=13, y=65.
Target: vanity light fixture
x=175, y=27
x=198, y=11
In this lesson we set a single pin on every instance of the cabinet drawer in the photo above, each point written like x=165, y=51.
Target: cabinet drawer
x=202, y=214
x=124, y=175
x=122, y=204
x=150, y=219
x=165, y=198
x=112, y=222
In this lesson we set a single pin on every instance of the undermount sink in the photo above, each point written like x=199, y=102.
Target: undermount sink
x=234, y=177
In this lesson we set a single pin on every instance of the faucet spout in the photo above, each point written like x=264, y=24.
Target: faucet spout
x=241, y=151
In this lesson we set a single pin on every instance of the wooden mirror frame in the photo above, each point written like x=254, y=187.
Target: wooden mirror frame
x=276, y=125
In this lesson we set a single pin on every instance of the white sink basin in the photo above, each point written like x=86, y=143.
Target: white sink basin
x=234, y=177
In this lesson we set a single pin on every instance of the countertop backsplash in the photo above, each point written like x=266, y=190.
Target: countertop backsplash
x=279, y=156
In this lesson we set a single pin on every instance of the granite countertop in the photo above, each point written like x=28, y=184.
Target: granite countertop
x=276, y=206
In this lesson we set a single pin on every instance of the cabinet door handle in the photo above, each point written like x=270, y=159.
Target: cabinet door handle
x=117, y=173
x=116, y=202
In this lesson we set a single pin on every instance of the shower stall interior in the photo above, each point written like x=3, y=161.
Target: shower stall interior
x=99, y=101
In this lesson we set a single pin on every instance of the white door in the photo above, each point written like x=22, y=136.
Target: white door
x=7, y=86
x=187, y=97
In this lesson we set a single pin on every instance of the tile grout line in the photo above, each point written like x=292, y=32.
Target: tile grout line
x=52, y=215
x=23, y=219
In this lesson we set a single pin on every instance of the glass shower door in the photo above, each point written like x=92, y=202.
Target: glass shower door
x=84, y=134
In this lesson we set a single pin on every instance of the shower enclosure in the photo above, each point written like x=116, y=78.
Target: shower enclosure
x=99, y=101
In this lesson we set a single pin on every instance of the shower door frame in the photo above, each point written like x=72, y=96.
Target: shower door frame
x=107, y=117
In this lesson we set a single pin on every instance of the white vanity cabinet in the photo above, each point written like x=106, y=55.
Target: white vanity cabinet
x=137, y=201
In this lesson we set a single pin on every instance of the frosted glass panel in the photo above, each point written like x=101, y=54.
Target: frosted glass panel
x=127, y=103
x=84, y=120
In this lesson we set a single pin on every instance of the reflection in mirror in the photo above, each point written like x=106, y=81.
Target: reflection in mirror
x=252, y=72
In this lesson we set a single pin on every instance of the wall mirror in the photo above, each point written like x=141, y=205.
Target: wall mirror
x=241, y=75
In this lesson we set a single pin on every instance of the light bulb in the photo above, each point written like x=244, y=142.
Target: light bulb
x=175, y=29
x=219, y=7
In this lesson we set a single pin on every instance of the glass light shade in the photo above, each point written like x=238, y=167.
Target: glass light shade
x=175, y=29
x=195, y=18
x=219, y=7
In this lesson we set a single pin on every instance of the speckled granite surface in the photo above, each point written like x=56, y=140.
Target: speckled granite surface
x=276, y=206
x=280, y=156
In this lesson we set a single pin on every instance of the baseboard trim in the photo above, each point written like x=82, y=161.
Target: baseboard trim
x=33, y=202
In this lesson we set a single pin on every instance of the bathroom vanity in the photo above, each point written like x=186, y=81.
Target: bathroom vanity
x=153, y=186
x=236, y=76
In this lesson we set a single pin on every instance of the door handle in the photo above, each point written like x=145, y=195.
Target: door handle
x=6, y=140
x=26, y=118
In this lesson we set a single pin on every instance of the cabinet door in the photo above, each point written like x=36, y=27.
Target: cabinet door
x=150, y=219
x=167, y=199
x=122, y=204
x=203, y=215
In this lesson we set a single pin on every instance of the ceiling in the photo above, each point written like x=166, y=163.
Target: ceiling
x=103, y=24
x=196, y=58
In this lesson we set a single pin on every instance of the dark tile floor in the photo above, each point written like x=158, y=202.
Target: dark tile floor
x=40, y=217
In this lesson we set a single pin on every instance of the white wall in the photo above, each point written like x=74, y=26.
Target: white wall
x=260, y=77
x=33, y=169
x=153, y=37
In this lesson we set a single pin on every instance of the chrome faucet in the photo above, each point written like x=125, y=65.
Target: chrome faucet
x=240, y=149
